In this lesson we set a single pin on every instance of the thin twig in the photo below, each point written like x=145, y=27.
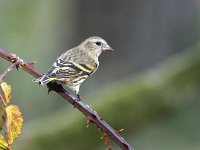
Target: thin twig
x=14, y=65
x=3, y=101
x=89, y=113
x=3, y=75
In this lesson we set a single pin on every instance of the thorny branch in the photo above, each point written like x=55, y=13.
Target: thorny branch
x=92, y=116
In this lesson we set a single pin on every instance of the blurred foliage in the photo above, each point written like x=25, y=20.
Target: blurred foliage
x=131, y=104
x=180, y=131
x=11, y=115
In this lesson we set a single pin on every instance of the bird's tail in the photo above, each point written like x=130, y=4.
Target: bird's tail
x=44, y=79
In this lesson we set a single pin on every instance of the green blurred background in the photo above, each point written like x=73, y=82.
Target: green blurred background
x=150, y=85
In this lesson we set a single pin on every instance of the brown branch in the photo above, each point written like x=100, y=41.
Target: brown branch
x=89, y=113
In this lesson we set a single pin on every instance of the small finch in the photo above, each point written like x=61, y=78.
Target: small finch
x=76, y=64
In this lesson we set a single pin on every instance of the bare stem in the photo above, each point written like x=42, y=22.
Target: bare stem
x=10, y=68
x=3, y=101
x=89, y=113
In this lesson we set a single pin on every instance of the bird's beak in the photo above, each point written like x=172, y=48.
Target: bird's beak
x=107, y=47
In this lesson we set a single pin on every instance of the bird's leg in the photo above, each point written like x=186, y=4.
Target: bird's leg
x=78, y=97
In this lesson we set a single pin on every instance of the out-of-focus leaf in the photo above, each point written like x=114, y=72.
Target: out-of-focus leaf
x=3, y=143
x=2, y=116
x=7, y=90
x=14, y=122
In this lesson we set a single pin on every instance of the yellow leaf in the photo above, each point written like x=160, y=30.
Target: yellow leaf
x=7, y=90
x=14, y=122
x=3, y=143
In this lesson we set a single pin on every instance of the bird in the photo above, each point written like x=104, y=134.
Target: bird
x=75, y=65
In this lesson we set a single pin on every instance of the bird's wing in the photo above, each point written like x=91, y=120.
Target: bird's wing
x=65, y=69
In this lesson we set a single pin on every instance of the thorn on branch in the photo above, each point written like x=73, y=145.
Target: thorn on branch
x=88, y=123
x=106, y=141
x=31, y=63
x=90, y=119
x=15, y=58
x=119, y=131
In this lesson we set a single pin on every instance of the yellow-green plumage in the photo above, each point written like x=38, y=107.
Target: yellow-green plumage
x=76, y=64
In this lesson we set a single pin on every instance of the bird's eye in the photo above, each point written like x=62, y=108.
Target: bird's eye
x=98, y=43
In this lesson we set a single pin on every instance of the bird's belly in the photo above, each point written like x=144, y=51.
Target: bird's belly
x=74, y=81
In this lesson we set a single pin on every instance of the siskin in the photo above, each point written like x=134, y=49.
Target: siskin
x=76, y=64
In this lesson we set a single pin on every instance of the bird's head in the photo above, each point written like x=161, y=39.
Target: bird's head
x=96, y=45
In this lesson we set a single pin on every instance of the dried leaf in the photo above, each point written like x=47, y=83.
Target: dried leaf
x=7, y=90
x=3, y=143
x=14, y=122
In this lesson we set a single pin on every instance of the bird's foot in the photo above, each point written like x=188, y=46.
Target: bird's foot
x=78, y=97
